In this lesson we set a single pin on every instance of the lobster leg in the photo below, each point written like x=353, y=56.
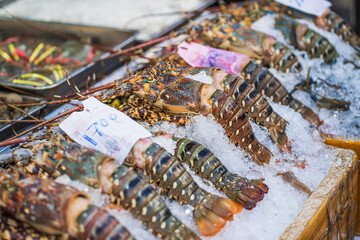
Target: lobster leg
x=57, y=209
x=210, y=211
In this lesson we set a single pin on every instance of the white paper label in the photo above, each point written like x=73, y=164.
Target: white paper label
x=104, y=129
x=313, y=7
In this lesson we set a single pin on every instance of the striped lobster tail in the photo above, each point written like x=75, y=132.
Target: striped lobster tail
x=283, y=59
x=210, y=211
x=270, y=86
x=256, y=107
x=131, y=191
x=237, y=127
x=208, y=166
x=301, y=37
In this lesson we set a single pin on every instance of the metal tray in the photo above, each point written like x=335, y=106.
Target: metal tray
x=109, y=37
x=8, y=130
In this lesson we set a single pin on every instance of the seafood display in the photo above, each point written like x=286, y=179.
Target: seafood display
x=224, y=132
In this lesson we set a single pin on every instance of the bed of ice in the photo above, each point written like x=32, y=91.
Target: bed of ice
x=110, y=13
x=283, y=202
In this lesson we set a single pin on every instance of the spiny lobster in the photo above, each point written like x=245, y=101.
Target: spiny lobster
x=180, y=95
x=54, y=208
x=245, y=95
x=198, y=55
x=225, y=32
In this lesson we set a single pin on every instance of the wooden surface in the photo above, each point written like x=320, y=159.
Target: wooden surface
x=353, y=145
x=331, y=210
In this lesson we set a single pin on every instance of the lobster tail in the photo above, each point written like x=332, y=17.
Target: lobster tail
x=306, y=112
x=252, y=191
x=283, y=59
x=126, y=187
x=132, y=192
x=204, y=163
x=256, y=107
x=336, y=24
x=210, y=212
x=237, y=127
x=301, y=37
x=98, y=224
x=266, y=83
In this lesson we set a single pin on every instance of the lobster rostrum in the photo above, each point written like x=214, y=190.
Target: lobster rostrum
x=209, y=167
x=54, y=208
x=125, y=187
x=225, y=32
x=180, y=95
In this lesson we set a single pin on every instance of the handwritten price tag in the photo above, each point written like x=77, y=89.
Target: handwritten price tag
x=313, y=7
x=197, y=55
x=104, y=129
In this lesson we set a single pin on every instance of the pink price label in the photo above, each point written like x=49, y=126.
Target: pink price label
x=197, y=55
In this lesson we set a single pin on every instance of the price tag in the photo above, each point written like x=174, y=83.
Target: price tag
x=313, y=7
x=104, y=129
x=197, y=55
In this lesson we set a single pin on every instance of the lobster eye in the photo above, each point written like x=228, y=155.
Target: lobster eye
x=169, y=79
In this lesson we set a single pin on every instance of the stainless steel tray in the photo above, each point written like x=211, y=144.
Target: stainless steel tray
x=8, y=130
x=108, y=37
